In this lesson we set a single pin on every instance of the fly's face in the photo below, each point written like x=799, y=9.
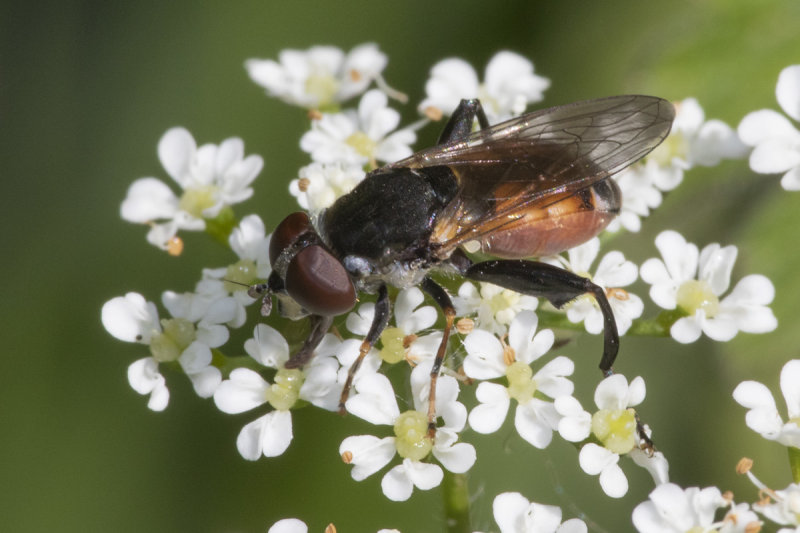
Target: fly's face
x=310, y=274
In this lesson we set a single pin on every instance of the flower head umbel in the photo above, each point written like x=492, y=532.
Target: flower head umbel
x=694, y=282
x=671, y=509
x=515, y=514
x=131, y=318
x=211, y=178
x=489, y=358
x=775, y=139
x=763, y=416
x=613, y=272
x=320, y=77
x=375, y=402
x=509, y=86
x=359, y=137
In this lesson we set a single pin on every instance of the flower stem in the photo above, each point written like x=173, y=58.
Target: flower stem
x=455, y=492
x=222, y=225
x=794, y=463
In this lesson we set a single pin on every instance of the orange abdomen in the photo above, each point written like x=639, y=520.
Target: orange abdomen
x=564, y=223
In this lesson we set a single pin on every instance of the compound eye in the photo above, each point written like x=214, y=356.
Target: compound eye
x=287, y=233
x=318, y=281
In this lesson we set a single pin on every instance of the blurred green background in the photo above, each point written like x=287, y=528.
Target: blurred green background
x=88, y=87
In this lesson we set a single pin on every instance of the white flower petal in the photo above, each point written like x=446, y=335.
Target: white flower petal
x=267, y=346
x=148, y=199
x=575, y=424
x=375, y=401
x=271, y=435
x=687, y=329
x=790, y=387
x=613, y=481
x=289, y=525
x=144, y=378
x=457, y=458
x=593, y=459
x=369, y=454
x=484, y=355
x=535, y=421
x=509, y=509
x=788, y=91
x=176, y=150
x=775, y=155
x=206, y=381
x=489, y=415
x=130, y=318
x=244, y=390
x=758, y=126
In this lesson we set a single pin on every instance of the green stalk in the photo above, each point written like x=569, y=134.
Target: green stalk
x=455, y=492
x=794, y=463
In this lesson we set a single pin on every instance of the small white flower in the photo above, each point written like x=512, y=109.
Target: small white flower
x=359, y=138
x=509, y=86
x=614, y=425
x=245, y=389
x=319, y=77
x=375, y=402
x=694, y=282
x=251, y=244
x=613, y=272
x=131, y=318
x=211, y=177
x=785, y=510
x=495, y=306
x=320, y=184
x=515, y=514
x=672, y=509
x=488, y=358
x=401, y=341
x=763, y=416
x=775, y=139
x=692, y=141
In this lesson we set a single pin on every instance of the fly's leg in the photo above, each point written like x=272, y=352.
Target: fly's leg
x=441, y=297
x=383, y=309
x=557, y=285
x=460, y=124
x=319, y=327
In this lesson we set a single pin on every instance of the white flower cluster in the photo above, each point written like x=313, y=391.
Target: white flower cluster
x=506, y=346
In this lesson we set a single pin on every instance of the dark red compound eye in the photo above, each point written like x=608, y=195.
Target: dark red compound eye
x=287, y=233
x=318, y=282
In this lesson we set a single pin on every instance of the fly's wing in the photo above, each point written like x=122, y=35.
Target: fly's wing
x=539, y=158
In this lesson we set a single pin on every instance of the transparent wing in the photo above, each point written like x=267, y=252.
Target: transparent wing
x=541, y=156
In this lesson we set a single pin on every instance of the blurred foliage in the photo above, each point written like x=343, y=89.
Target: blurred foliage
x=88, y=87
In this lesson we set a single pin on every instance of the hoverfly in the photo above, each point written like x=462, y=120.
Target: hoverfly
x=535, y=185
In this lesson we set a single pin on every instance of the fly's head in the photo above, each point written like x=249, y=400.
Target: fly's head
x=305, y=271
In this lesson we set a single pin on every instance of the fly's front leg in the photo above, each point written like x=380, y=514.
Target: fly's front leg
x=441, y=297
x=383, y=309
x=557, y=285
x=460, y=124
x=319, y=327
